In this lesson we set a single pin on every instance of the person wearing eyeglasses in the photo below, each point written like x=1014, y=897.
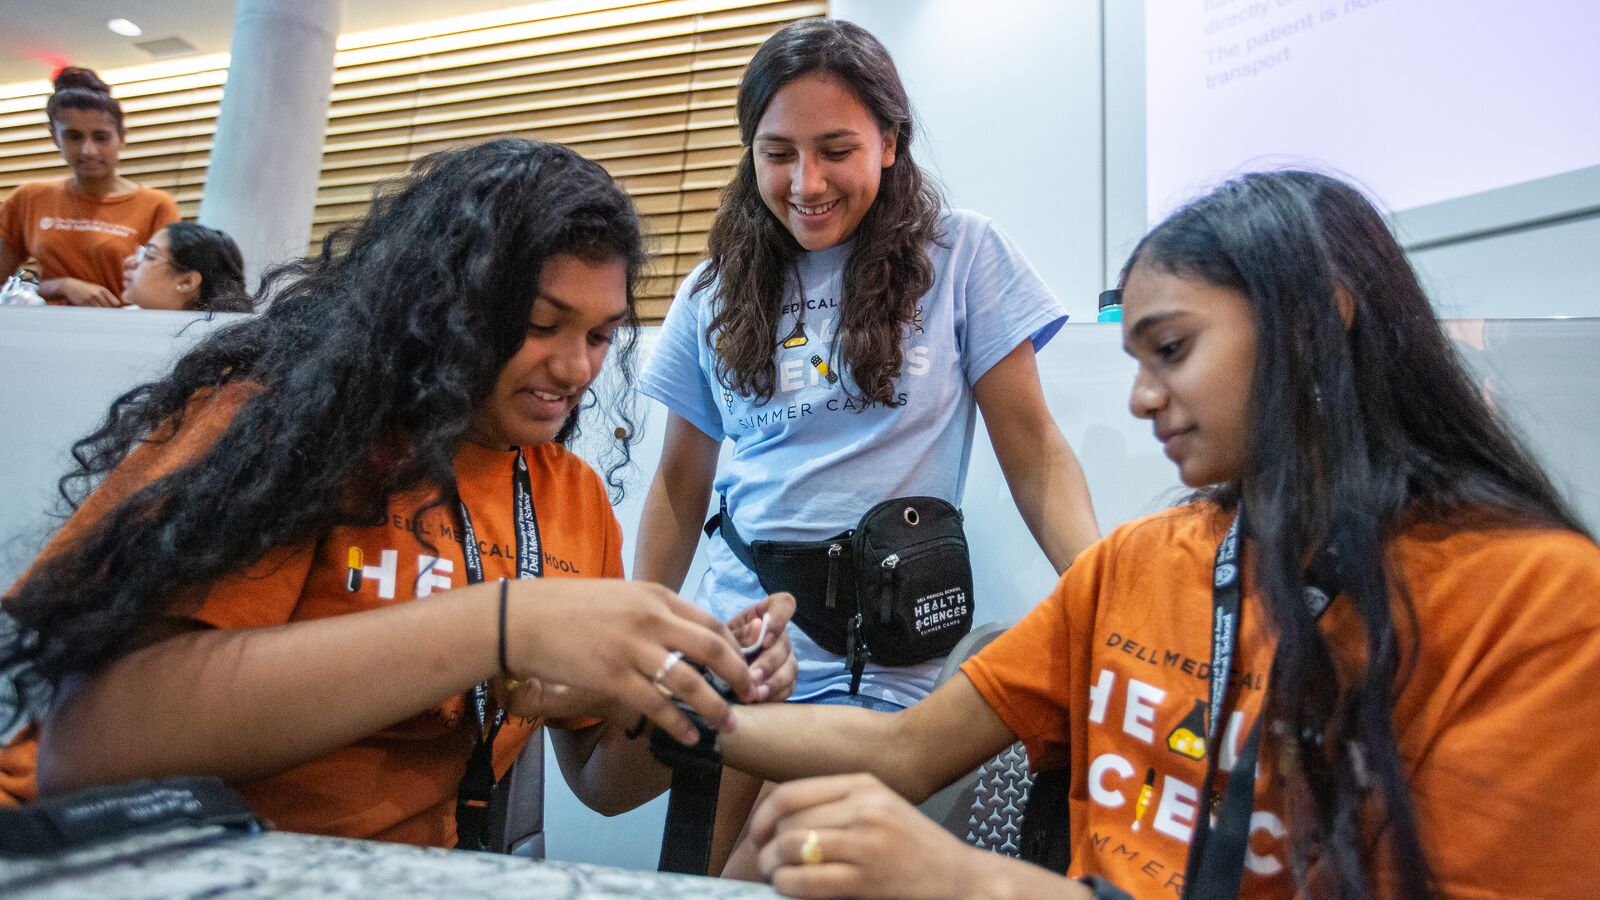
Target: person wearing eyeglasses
x=79, y=229
x=186, y=266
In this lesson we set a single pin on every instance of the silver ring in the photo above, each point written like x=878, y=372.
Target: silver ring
x=673, y=658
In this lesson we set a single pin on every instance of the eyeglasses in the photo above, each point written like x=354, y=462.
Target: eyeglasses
x=149, y=251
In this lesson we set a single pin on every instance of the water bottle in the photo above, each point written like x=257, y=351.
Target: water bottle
x=20, y=291
x=1110, y=306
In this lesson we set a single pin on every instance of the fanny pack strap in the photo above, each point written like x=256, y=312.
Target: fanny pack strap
x=724, y=523
x=856, y=651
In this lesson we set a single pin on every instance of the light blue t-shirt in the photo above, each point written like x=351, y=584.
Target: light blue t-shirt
x=809, y=462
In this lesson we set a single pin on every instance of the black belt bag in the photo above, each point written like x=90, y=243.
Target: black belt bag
x=896, y=589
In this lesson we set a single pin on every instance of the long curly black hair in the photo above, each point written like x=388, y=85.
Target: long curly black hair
x=753, y=256
x=1358, y=433
x=370, y=361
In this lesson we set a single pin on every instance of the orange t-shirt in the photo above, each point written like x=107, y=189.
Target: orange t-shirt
x=398, y=784
x=1496, y=723
x=74, y=235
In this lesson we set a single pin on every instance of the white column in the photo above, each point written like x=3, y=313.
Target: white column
x=262, y=183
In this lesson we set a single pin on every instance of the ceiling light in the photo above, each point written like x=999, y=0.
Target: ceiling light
x=124, y=28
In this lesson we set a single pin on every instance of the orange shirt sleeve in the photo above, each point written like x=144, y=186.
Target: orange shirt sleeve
x=13, y=213
x=1505, y=784
x=165, y=212
x=1025, y=675
x=612, y=530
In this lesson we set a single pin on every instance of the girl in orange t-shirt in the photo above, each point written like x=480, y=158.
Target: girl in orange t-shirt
x=81, y=228
x=1428, y=732
x=234, y=599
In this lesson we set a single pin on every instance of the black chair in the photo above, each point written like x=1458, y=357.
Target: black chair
x=516, y=813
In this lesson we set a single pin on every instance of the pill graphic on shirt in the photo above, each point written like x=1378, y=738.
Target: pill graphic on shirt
x=356, y=562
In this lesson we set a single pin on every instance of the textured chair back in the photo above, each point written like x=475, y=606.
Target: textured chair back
x=984, y=808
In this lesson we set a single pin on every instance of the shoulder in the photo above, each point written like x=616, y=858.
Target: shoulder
x=691, y=301
x=570, y=495
x=1174, y=546
x=566, y=470
x=1484, y=592
x=959, y=227
x=690, y=291
x=143, y=197
x=208, y=412
x=35, y=191
x=155, y=197
x=1495, y=560
x=1186, y=528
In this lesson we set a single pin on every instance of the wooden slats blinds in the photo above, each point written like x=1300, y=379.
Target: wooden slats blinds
x=646, y=89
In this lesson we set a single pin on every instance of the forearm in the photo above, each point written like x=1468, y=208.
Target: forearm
x=610, y=773
x=53, y=288
x=669, y=532
x=915, y=751
x=10, y=260
x=991, y=876
x=1052, y=495
x=786, y=741
x=244, y=704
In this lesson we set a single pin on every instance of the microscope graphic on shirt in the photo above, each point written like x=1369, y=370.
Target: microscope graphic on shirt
x=796, y=338
x=1189, y=738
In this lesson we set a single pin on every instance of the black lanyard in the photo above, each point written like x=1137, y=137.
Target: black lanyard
x=1216, y=854
x=478, y=782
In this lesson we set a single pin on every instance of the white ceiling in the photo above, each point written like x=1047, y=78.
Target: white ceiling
x=39, y=36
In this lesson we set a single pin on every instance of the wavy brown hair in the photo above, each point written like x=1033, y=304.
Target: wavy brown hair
x=753, y=256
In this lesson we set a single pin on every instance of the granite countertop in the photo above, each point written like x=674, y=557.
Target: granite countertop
x=210, y=862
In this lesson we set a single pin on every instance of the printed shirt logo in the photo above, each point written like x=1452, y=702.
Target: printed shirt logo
x=49, y=223
x=796, y=338
x=1143, y=806
x=1189, y=738
x=809, y=379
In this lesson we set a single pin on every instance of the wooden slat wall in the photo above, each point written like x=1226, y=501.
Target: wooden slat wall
x=646, y=89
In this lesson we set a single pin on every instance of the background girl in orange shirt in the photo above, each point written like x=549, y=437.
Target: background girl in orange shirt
x=79, y=229
x=1431, y=734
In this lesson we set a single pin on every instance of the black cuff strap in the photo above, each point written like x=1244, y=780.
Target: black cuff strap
x=100, y=814
x=1103, y=889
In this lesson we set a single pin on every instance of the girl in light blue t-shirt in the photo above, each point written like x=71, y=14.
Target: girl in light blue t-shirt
x=843, y=335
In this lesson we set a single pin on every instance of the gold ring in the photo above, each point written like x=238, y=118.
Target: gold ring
x=811, y=850
x=673, y=658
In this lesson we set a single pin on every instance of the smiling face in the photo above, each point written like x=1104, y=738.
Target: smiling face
x=819, y=156
x=579, y=307
x=151, y=280
x=1195, y=344
x=90, y=141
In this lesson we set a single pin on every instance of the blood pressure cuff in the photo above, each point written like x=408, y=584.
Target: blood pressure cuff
x=103, y=814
